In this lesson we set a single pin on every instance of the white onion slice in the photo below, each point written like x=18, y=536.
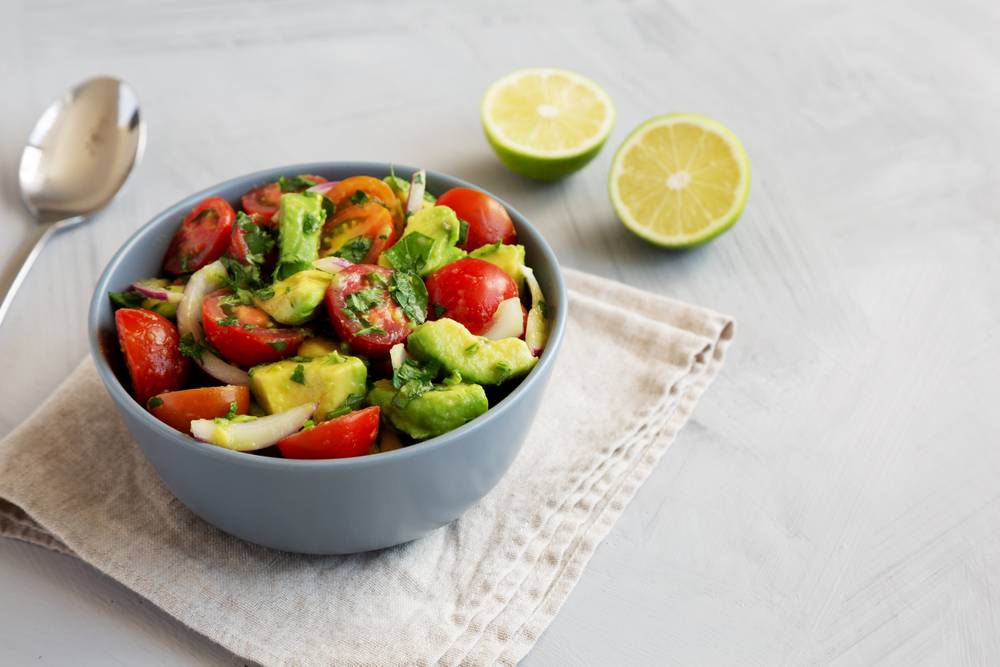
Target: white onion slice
x=206, y=279
x=507, y=322
x=397, y=355
x=254, y=434
x=331, y=264
x=415, y=200
x=536, y=334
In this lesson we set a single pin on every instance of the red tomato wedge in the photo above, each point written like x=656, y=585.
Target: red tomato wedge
x=245, y=335
x=488, y=220
x=178, y=409
x=468, y=291
x=263, y=200
x=151, y=347
x=202, y=237
x=363, y=312
x=352, y=434
x=346, y=192
x=358, y=233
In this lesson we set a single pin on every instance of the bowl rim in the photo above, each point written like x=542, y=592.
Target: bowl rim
x=126, y=402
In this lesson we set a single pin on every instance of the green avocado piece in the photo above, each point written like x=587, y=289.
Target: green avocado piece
x=427, y=244
x=438, y=411
x=296, y=297
x=301, y=217
x=329, y=380
x=475, y=358
x=510, y=258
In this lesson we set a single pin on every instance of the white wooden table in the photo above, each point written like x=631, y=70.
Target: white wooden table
x=835, y=499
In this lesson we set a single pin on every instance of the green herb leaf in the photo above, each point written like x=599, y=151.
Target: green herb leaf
x=295, y=183
x=299, y=374
x=191, y=348
x=233, y=407
x=126, y=299
x=259, y=242
x=413, y=380
x=359, y=197
x=230, y=321
x=370, y=329
x=154, y=402
x=505, y=370
x=439, y=310
x=409, y=291
x=311, y=223
x=351, y=403
x=278, y=345
x=463, y=232
x=355, y=250
x=410, y=253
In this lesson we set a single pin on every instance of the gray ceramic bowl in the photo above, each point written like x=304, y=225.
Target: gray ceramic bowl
x=336, y=506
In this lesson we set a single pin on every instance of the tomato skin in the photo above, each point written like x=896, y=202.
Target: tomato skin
x=151, y=347
x=342, y=437
x=469, y=292
x=202, y=237
x=237, y=247
x=389, y=316
x=246, y=346
x=341, y=193
x=370, y=220
x=262, y=201
x=178, y=409
x=488, y=220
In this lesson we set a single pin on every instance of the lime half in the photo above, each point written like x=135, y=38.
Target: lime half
x=546, y=123
x=680, y=180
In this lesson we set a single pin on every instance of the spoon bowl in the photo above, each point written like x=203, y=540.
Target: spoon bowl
x=78, y=156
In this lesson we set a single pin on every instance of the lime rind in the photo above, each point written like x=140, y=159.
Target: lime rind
x=722, y=223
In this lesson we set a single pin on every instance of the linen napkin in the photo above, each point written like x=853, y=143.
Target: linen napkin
x=477, y=592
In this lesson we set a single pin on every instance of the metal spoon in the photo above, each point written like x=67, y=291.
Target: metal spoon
x=78, y=156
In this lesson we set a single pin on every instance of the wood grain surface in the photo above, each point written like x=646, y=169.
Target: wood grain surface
x=835, y=500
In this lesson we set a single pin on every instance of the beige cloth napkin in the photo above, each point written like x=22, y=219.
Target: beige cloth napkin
x=477, y=592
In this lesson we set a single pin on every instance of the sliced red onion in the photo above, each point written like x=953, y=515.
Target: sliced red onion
x=332, y=264
x=536, y=333
x=397, y=355
x=205, y=280
x=154, y=291
x=507, y=322
x=322, y=188
x=246, y=436
x=415, y=200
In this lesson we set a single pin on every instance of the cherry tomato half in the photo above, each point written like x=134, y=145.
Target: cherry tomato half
x=263, y=200
x=352, y=434
x=346, y=192
x=201, y=238
x=469, y=291
x=245, y=335
x=371, y=322
x=178, y=409
x=359, y=233
x=151, y=347
x=488, y=220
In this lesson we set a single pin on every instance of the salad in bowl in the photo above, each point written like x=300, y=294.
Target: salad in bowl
x=318, y=319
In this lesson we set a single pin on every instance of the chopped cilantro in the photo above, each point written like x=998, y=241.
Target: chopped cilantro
x=378, y=279
x=154, y=402
x=233, y=407
x=355, y=250
x=410, y=253
x=126, y=299
x=230, y=321
x=439, y=310
x=191, y=348
x=278, y=345
x=351, y=403
x=472, y=349
x=370, y=329
x=308, y=424
x=409, y=291
x=249, y=325
x=295, y=183
x=311, y=223
x=360, y=197
x=463, y=232
x=505, y=370
x=299, y=374
x=258, y=241
x=413, y=380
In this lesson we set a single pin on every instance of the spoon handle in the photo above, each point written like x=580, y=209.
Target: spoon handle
x=22, y=273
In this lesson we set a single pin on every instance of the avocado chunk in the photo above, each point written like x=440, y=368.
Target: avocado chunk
x=317, y=347
x=296, y=298
x=332, y=381
x=427, y=244
x=510, y=258
x=475, y=358
x=437, y=411
x=301, y=217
